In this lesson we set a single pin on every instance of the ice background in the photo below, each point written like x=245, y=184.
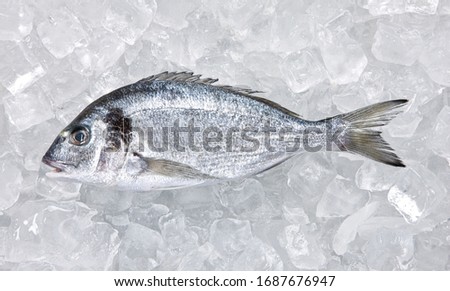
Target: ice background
x=319, y=211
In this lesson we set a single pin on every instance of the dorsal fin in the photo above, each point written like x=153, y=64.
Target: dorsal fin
x=189, y=77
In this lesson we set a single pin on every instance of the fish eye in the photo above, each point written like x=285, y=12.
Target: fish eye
x=79, y=136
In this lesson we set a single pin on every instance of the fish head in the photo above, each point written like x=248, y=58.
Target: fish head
x=76, y=151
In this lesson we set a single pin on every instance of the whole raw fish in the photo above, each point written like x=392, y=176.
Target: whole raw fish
x=175, y=130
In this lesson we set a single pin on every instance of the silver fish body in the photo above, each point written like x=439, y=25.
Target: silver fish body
x=175, y=130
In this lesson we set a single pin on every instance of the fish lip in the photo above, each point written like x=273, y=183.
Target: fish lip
x=57, y=166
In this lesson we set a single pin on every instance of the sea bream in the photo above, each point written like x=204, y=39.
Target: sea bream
x=175, y=130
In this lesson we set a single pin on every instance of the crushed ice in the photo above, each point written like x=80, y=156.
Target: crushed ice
x=317, y=211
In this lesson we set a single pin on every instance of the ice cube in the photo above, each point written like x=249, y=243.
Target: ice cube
x=146, y=199
x=439, y=138
x=28, y=108
x=42, y=7
x=4, y=131
x=291, y=31
x=317, y=101
x=54, y=189
x=389, y=249
x=295, y=215
x=11, y=181
x=372, y=82
x=423, y=24
x=110, y=80
x=436, y=58
x=258, y=256
x=62, y=233
x=303, y=70
x=246, y=200
x=361, y=14
x=404, y=126
x=146, y=64
x=421, y=6
x=35, y=266
x=18, y=70
x=16, y=20
x=62, y=32
x=411, y=83
x=302, y=248
x=61, y=84
x=431, y=249
x=35, y=51
x=263, y=63
x=97, y=248
x=106, y=199
x=416, y=193
x=5, y=220
x=344, y=58
x=24, y=143
x=341, y=198
x=396, y=44
x=91, y=12
x=310, y=175
x=199, y=259
x=325, y=12
x=195, y=197
x=441, y=168
x=379, y=7
x=372, y=177
x=132, y=52
x=344, y=98
x=174, y=18
x=199, y=217
x=222, y=67
x=203, y=33
x=444, y=7
x=100, y=54
x=129, y=19
x=119, y=222
x=255, y=33
x=149, y=215
x=353, y=262
x=141, y=249
x=3, y=239
x=178, y=238
x=230, y=236
x=239, y=14
x=67, y=111
x=348, y=229
x=278, y=91
x=405, y=204
x=369, y=228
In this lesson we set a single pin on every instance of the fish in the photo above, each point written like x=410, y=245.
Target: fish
x=178, y=129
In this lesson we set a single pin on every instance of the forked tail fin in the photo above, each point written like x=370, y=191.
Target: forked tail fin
x=360, y=137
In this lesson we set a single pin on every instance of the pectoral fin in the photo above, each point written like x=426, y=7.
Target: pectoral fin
x=172, y=168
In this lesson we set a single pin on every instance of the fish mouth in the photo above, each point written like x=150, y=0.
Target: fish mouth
x=57, y=166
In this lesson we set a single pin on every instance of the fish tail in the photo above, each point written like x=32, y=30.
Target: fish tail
x=358, y=135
